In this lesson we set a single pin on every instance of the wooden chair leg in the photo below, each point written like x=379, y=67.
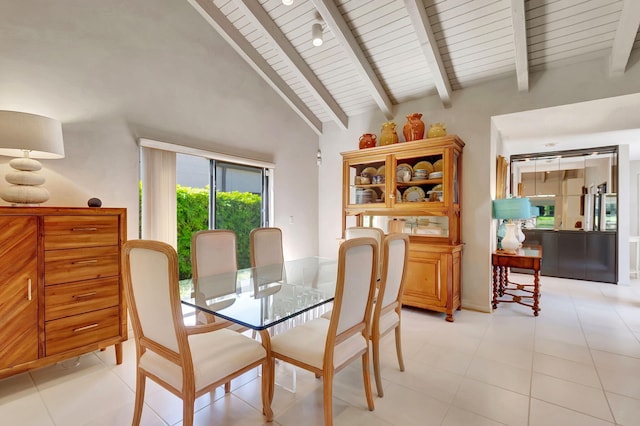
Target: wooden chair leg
x=188, y=408
x=267, y=380
x=227, y=387
x=141, y=381
x=327, y=387
x=399, y=347
x=367, y=380
x=375, y=343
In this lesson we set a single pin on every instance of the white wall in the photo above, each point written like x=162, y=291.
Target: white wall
x=112, y=72
x=470, y=118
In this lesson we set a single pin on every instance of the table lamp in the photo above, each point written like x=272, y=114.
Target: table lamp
x=28, y=136
x=511, y=209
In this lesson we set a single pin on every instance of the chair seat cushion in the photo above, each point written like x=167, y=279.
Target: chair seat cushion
x=389, y=321
x=306, y=343
x=215, y=355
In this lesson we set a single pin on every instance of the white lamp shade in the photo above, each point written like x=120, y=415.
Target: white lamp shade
x=20, y=132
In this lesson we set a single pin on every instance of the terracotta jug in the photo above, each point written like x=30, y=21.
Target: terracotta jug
x=413, y=129
x=436, y=130
x=368, y=140
x=388, y=133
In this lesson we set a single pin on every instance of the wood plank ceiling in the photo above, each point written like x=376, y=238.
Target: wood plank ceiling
x=378, y=53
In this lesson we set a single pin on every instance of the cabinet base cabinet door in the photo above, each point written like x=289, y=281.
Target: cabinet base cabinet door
x=18, y=290
x=433, y=278
x=423, y=287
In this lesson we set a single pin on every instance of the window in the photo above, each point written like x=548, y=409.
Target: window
x=179, y=181
x=236, y=203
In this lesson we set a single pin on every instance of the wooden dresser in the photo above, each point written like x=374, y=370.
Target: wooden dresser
x=61, y=291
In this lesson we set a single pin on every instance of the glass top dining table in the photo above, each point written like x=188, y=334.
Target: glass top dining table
x=260, y=298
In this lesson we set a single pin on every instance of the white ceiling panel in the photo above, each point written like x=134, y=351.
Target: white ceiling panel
x=380, y=51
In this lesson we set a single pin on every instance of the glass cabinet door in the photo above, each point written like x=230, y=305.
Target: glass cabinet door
x=420, y=178
x=367, y=182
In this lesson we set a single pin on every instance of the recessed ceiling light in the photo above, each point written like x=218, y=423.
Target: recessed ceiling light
x=287, y=2
x=316, y=34
x=550, y=144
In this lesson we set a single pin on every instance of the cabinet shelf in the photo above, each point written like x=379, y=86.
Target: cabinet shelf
x=433, y=278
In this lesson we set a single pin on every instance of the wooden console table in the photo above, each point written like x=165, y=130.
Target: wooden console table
x=528, y=257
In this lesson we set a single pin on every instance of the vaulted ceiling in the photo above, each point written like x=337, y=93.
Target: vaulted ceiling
x=379, y=53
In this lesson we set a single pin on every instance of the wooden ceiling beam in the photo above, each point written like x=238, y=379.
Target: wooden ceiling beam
x=420, y=21
x=520, y=44
x=254, y=11
x=221, y=24
x=338, y=26
x=625, y=37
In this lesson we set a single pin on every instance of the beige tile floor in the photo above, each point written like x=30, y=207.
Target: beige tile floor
x=578, y=363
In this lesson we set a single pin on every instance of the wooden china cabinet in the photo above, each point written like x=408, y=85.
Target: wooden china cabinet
x=414, y=188
x=61, y=292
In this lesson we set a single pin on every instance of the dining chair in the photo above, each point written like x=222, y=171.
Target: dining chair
x=265, y=245
x=366, y=231
x=325, y=347
x=187, y=365
x=387, y=311
x=267, y=260
x=213, y=252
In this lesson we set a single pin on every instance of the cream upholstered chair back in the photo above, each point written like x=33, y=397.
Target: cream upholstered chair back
x=266, y=246
x=267, y=256
x=151, y=266
x=355, y=289
x=213, y=252
x=365, y=231
x=395, y=250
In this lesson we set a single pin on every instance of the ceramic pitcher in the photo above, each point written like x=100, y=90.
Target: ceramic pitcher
x=413, y=129
x=388, y=133
x=368, y=140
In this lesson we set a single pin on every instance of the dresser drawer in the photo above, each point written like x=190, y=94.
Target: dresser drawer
x=61, y=266
x=80, y=330
x=63, y=300
x=61, y=232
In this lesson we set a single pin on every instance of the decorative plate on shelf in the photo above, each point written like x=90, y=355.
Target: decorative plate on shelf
x=423, y=165
x=413, y=194
x=405, y=166
x=370, y=171
x=381, y=171
x=437, y=166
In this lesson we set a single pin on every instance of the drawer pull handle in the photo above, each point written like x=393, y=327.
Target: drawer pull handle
x=84, y=262
x=29, y=289
x=85, y=295
x=86, y=327
x=83, y=229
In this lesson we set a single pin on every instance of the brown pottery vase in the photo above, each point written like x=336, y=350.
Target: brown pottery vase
x=388, y=133
x=368, y=140
x=413, y=129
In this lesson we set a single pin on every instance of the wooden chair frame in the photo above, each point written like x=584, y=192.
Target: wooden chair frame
x=380, y=309
x=182, y=358
x=328, y=371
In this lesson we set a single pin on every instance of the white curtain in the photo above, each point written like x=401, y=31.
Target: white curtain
x=159, y=196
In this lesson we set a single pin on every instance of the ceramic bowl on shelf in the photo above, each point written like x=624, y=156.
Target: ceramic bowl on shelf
x=435, y=175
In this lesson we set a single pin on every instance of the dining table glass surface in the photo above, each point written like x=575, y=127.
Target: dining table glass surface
x=262, y=297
